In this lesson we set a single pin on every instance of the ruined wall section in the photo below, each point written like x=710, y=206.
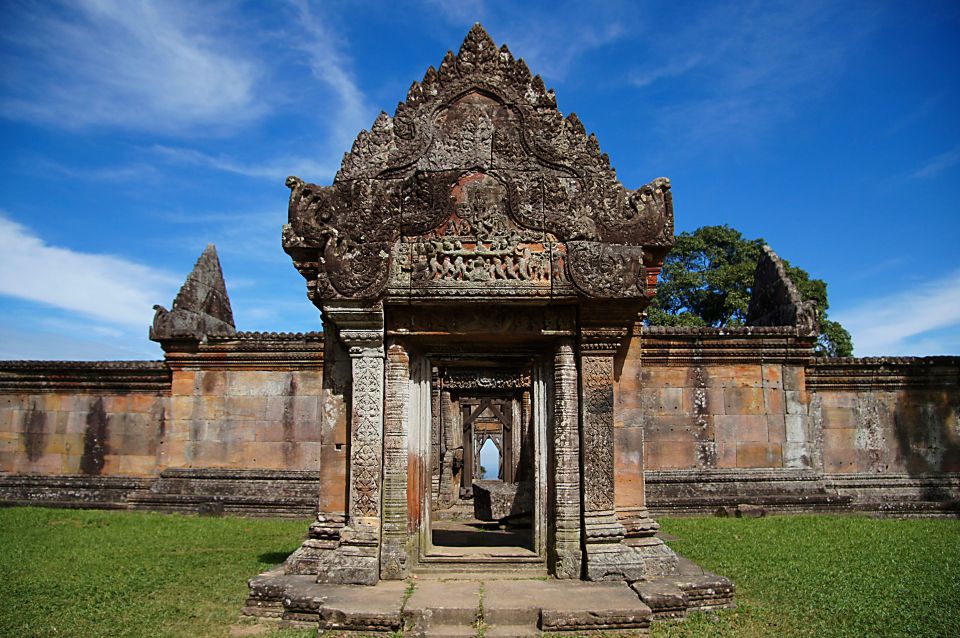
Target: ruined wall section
x=747, y=415
x=230, y=423
x=83, y=423
x=249, y=401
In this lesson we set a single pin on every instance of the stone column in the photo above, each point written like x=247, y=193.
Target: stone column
x=357, y=558
x=453, y=447
x=567, y=556
x=396, y=426
x=607, y=555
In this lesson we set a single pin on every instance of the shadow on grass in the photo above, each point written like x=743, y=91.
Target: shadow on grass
x=274, y=558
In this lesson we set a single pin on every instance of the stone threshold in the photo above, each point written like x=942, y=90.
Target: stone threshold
x=465, y=605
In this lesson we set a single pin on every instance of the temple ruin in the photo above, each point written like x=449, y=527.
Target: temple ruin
x=484, y=395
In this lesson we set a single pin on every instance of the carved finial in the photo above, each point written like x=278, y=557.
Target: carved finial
x=477, y=41
x=202, y=307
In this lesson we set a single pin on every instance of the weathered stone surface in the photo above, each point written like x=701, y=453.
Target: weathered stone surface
x=496, y=500
x=774, y=299
x=201, y=308
x=477, y=187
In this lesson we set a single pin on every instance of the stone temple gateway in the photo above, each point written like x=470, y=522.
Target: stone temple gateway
x=484, y=403
x=476, y=256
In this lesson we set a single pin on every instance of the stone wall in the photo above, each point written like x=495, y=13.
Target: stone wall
x=230, y=420
x=747, y=415
x=723, y=417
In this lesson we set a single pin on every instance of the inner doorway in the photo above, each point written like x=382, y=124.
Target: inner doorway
x=485, y=435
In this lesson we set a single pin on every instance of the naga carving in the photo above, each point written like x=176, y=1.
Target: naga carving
x=477, y=186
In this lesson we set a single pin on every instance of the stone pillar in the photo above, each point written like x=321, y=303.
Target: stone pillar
x=453, y=451
x=567, y=556
x=396, y=426
x=350, y=553
x=607, y=555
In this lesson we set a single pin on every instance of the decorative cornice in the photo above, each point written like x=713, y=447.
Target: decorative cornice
x=84, y=377
x=683, y=346
x=252, y=351
x=884, y=373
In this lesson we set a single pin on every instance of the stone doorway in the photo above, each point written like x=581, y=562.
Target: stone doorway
x=487, y=484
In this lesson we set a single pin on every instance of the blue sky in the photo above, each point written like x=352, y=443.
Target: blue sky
x=134, y=133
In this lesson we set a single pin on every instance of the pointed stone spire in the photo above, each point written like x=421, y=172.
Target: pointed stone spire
x=202, y=307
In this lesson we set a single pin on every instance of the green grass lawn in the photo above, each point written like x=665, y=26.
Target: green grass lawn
x=90, y=573
x=826, y=575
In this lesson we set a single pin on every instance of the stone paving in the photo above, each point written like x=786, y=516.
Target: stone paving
x=470, y=604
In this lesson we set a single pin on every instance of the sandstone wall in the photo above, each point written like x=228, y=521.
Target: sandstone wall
x=748, y=416
x=90, y=418
x=722, y=417
x=231, y=419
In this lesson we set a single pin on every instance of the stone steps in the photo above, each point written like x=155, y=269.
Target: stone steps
x=494, y=606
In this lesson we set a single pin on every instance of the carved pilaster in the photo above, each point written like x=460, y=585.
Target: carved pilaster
x=612, y=552
x=356, y=560
x=393, y=554
x=567, y=559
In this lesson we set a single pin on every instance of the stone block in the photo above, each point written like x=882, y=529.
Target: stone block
x=309, y=455
x=239, y=408
x=838, y=399
x=743, y=400
x=670, y=455
x=628, y=467
x=670, y=428
x=794, y=378
x=182, y=407
x=143, y=403
x=309, y=384
x=776, y=428
x=839, y=438
x=727, y=454
x=137, y=465
x=772, y=375
x=757, y=455
x=665, y=376
x=213, y=382
x=50, y=402
x=212, y=408
x=751, y=428
x=725, y=428
x=839, y=460
x=116, y=405
x=773, y=401
x=796, y=455
x=183, y=383
x=496, y=500
x=838, y=418
x=796, y=427
x=670, y=401
x=796, y=402
x=258, y=383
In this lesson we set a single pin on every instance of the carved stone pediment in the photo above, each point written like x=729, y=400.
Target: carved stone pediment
x=477, y=186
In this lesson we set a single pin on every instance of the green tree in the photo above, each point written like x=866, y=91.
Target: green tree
x=707, y=278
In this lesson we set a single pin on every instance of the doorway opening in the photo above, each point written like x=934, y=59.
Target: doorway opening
x=485, y=438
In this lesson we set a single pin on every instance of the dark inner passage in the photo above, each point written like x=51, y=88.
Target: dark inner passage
x=482, y=459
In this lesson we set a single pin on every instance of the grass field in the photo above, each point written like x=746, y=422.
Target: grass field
x=90, y=573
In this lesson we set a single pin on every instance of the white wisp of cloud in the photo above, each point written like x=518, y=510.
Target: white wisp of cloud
x=901, y=323
x=110, y=289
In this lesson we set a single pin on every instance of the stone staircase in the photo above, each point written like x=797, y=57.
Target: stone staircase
x=476, y=604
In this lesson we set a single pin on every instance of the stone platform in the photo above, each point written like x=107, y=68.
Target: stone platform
x=482, y=604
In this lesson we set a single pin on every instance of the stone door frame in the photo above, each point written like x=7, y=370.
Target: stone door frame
x=420, y=423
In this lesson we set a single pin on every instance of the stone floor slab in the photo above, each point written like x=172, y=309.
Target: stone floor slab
x=436, y=602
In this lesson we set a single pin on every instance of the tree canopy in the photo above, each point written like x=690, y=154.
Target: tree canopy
x=707, y=279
